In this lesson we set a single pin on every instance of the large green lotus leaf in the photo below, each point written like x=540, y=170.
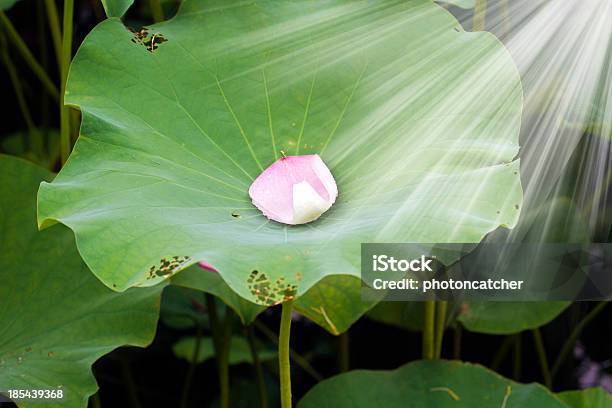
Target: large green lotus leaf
x=116, y=8
x=417, y=120
x=405, y=315
x=508, y=317
x=589, y=398
x=425, y=384
x=240, y=351
x=56, y=318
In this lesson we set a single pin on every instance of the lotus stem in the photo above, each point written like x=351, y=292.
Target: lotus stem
x=569, y=343
x=440, y=326
x=54, y=26
x=541, y=352
x=65, y=64
x=428, y=330
x=26, y=54
x=224, y=359
x=480, y=16
x=220, y=343
x=156, y=10
x=458, y=334
x=95, y=400
x=21, y=101
x=283, y=354
x=301, y=361
x=502, y=352
x=192, y=365
x=130, y=385
x=344, y=352
x=261, y=384
x=518, y=357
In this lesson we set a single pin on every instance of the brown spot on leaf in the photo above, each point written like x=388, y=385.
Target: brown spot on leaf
x=167, y=266
x=267, y=292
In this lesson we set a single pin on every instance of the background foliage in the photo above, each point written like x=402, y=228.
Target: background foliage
x=205, y=344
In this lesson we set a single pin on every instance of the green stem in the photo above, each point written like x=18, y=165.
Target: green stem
x=156, y=10
x=99, y=10
x=569, y=343
x=128, y=380
x=302, y=362
x=480, y=15
x=224, y=359
x=54, y=26
x=344, y=352
x=26, y=54
x=440, y=325
x=218, y=334
x=518, y=357
x=428, y=329
x=283, y=355
x=501, y=353
x=42, y=142
x=259, y=376
x=65, y=64
x=541, y=352
x=21, y=101
x=192, y=366
x=505, y=13
x=95, y=400
x=458, y=334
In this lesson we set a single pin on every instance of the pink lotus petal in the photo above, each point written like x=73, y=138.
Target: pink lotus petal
x=207, y=266
x=294, y=189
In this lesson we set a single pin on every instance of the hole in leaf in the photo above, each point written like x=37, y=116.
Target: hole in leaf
x=150, y=41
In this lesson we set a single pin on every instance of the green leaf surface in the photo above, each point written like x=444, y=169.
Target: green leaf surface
x=417, y=121
x=589, y=398
x=425, y=384
x=405, y=315
x=56, y=318
x=116, y=8
x=239, y=350
x=335, y=303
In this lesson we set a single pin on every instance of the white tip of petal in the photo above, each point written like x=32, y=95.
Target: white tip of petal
x=294, y=189
x=307, y=204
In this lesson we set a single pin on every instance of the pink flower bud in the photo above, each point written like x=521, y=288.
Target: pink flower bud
x=207, y=266
x=294, y=189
